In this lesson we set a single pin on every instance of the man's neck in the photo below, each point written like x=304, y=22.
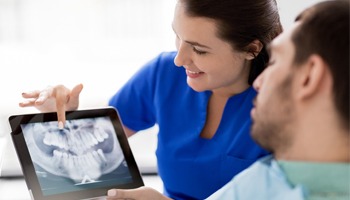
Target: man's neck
x=319, y=147
x=317, y=134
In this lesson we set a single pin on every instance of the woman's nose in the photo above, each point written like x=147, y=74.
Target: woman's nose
x=183, y=56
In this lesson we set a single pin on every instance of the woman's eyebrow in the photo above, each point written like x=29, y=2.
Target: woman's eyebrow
x=197, y=44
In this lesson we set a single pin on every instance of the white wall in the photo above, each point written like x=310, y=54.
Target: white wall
x=289, y=9
x=99, y=43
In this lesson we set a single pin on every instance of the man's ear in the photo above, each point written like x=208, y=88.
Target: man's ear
x=313, y=77
x=254, y=49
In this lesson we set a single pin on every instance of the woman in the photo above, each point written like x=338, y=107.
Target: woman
x=201, y=106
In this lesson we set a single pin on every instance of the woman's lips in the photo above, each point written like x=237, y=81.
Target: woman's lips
x=193, y=74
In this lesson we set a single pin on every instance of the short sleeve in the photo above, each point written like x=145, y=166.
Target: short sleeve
x=135, y=101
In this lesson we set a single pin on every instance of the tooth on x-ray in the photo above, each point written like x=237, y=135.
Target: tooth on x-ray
x=83, y=151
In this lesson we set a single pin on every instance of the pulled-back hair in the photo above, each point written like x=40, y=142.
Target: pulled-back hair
x=324, y=30
x=240, y=22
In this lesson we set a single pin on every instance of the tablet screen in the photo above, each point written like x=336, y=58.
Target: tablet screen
x=90, y=153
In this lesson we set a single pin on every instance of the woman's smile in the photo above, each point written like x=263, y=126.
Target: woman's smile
x=193, y=74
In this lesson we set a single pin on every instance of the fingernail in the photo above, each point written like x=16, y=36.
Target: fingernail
x=112, y=192
x=60, y=125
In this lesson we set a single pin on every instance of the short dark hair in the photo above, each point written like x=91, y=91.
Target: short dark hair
x=324, y=30
x=240, y=22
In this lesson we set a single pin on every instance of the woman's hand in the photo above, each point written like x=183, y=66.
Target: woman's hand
x=142, y=193
x=58, y=98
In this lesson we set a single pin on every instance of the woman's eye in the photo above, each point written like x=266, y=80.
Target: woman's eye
x=198, y=51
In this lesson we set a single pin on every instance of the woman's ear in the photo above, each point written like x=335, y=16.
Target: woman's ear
x=254, y=49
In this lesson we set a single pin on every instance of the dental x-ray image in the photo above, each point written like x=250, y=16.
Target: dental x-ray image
x=83, y=155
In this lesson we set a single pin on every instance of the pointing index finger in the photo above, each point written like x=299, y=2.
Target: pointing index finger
x=62, y=97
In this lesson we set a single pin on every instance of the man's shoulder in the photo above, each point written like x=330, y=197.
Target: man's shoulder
x=266, y=178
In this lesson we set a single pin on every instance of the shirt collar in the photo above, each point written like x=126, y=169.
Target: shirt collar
x=318, y=178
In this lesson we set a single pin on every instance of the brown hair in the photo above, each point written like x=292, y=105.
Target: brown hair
x=324, y=30
x=240, y=23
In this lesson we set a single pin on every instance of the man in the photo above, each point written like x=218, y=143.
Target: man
x=301, y=115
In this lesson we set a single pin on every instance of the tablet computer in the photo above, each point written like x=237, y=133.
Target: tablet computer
x=90, y=155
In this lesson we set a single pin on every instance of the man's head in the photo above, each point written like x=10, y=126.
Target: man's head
x=324, y=30
x=303, y=99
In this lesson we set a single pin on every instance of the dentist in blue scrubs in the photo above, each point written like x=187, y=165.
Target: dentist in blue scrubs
x=199, y=96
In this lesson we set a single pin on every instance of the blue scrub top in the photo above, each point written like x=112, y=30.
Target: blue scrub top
x=191, y=167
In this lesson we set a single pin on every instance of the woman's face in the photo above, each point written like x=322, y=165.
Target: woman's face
x=210, y=62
